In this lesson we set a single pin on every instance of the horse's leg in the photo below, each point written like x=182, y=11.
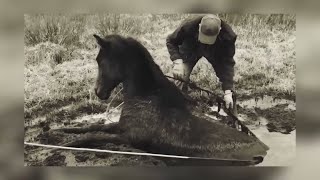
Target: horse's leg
x=94, y=139
x=112, y=128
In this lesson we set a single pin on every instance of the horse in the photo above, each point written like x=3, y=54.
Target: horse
x=156, y=117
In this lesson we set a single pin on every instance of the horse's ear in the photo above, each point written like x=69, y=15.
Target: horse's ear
x=99, y=40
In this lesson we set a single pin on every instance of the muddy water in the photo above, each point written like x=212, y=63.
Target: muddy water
x=282, y=145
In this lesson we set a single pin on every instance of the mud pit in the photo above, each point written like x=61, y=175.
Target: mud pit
x=256, y=114
x=273, y=122
x=39, y=156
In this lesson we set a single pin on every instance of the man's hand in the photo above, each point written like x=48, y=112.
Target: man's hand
x=228, y=99
x=179, y=69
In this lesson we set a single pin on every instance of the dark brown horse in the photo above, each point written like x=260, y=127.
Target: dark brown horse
x=155, y=117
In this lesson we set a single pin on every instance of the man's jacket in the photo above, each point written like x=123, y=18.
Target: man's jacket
x=183, y=44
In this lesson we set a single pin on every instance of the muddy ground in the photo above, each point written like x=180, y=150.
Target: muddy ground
x=272, y=121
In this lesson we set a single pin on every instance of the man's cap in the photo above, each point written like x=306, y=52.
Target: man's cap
x=209, y=29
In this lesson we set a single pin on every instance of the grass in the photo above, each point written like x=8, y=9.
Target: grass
x=60, y=69
x=59, y=29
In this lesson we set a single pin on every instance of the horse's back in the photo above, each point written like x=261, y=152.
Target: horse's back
x=174, y=131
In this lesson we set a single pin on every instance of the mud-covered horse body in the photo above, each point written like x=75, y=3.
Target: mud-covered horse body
x=179, y=133
x=155, y=117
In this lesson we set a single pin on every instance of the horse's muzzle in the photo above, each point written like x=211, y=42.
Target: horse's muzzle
x=103, y=95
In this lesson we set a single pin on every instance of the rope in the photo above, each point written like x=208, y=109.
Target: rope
x=220, y=101
x=130, y=153
x=194, y=86
x=106, y=151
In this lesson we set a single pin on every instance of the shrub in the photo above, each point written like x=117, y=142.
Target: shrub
x=63, y=30
x=47, y=52
x=123, y=24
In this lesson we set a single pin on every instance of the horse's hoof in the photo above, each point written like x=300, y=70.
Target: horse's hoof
x=258, y=159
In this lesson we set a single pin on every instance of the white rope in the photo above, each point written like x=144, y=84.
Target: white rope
x=131, y=153
x=106, y=151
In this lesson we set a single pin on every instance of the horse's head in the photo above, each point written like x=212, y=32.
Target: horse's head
x=109, y=59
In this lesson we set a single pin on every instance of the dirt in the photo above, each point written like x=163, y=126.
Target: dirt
x=279, y=113
x=273, y=122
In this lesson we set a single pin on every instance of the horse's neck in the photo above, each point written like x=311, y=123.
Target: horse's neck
x=149, y=80
x=141, y=82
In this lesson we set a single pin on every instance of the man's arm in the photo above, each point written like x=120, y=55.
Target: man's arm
x=224, y=66
x=173, y=41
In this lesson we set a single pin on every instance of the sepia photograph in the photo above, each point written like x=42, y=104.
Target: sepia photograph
x=140, y=90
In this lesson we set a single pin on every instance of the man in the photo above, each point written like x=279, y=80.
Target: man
x=205, y=36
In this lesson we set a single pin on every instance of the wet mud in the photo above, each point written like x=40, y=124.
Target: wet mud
x=272, y=122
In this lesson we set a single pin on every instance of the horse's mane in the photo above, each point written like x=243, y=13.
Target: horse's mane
x=146, y=56
x=169, y=89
